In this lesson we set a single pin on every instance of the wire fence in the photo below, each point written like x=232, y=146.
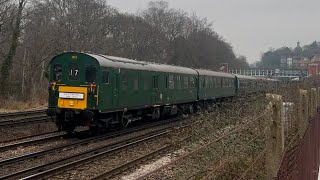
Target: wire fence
x=302, y=160
x=278, y=142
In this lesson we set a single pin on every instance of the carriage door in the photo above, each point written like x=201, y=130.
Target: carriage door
x=116, y=90
x=106, y=90
x=155, y=93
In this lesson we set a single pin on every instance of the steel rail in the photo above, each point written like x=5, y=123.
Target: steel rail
x=33, y=141
x=51, y=168
x=26, y=137
x=22, y=113
x=28, y=120
x=83, y=142
x=130, y=164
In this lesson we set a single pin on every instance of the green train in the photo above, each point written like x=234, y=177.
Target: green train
x=100, y=91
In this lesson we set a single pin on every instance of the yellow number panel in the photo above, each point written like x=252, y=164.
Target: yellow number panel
x=71, y=102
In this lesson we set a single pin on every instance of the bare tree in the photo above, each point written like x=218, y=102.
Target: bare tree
x=7, y=64
x=6, y=8
x=30, y=35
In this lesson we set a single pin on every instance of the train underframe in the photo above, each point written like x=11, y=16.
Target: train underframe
x=68, y=119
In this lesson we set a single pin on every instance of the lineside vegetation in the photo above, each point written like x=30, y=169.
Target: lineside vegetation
x=32, y=32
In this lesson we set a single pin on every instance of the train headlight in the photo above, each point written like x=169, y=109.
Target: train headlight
x=93, y=87
x=53, y=85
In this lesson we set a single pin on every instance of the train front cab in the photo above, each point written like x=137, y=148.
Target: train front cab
x=73, y=90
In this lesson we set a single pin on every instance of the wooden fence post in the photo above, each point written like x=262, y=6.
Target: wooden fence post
x=314, y=100
x=275, y=136
x=303, y=112
x=318, y=97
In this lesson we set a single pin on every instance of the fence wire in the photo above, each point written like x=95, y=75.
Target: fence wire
x=302, y=160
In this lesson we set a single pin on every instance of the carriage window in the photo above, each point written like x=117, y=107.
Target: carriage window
x=213, y=80
x=207, y=82
x=135, y=83
x=178, y=82
x=186, y=82
x=171, y=82
x=155, y=81
x=192, y=83
x=124, y=82
x=57, y=70
x=145, y=83
x=105, y=77
x=166, y=82
x=90, y=74
x=225, y=82
x=204, y=82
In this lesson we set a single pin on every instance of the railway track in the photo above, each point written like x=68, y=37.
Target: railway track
x=22, y=118
x=133, y=163
x=34, y=140
x=74, y=160
x=118, y=170
x=21, y=114
x=86, y=157
x=15, y=140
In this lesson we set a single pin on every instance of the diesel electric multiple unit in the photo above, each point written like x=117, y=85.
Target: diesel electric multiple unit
x=99, y=91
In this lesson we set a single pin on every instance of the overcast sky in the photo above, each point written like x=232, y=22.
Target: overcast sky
x=251, y=26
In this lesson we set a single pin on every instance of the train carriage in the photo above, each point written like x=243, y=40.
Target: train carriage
x=98, y=90
x=247, y=84
x=216, y=85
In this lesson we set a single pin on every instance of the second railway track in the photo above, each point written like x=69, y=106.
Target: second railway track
x=62, y=164
x=86, y=157
x=23, y=118
x=21, y=114
x=34, y=140
x=109, y=174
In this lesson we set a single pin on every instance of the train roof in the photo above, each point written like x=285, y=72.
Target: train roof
x=203, y=72
x=125, y=63
x=118, y=62
x=266, y=79
x=245, y=77
x=273, y=80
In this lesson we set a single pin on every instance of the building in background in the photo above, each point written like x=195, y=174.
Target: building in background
x=303, y=63
x=313, y=70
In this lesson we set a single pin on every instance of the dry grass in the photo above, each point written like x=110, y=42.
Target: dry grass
x=240, y=148
x=12, y=104
x=240, y=154
x=221, y=158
